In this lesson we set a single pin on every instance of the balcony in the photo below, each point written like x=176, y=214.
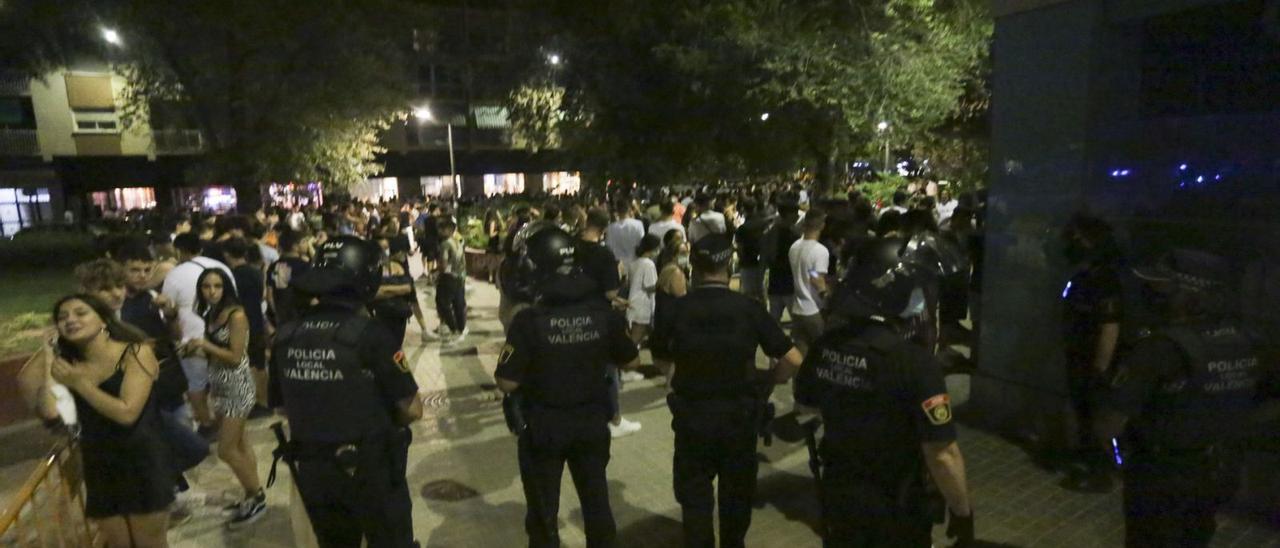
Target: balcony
x=178, y=141
x=19, y=142
x=14, y=84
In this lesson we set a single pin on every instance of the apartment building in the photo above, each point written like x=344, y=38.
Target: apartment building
x=65, y=153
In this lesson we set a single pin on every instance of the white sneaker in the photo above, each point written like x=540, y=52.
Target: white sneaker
x=442, y=332
x=623, y=428
x=632, y=376
x=464, y=333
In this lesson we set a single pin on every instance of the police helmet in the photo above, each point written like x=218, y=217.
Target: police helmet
x=520, y=273
x=936, y=256
x=344, y=266
x=885, y=273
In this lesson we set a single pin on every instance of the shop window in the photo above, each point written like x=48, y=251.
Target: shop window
x=561, y=182
x=23, y=207
x=122, y=200
x=503, y=183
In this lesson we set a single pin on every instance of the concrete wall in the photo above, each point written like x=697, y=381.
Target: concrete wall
x=1066, y=116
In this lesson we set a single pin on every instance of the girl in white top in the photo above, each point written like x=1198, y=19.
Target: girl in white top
x=643, y=275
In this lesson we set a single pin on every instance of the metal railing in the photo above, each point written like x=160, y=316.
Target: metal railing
x=14, y=84
x=19, y=142
x=49, y=509
x=178, y=141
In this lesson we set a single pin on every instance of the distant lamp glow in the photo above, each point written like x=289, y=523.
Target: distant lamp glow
x=1066, y=290
x=1182, y=167
x=1217, y=177
x=1124, y=173
x=882, y=126
x=423, y=113
x=553, y=59
x=764, y=117
x=111, y=36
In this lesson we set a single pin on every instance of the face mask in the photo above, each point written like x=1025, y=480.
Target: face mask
x=915, y=306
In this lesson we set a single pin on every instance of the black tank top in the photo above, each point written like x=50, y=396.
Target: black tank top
x=96, y=427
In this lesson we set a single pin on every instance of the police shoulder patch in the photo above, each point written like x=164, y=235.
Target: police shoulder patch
x=937, y=409
x=400, y=360
x=507, y=351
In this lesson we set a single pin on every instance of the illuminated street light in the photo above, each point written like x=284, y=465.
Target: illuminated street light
x=553, y=59
x=882, y=126
x=111, y=36
x=764, y=117
x=423, y=113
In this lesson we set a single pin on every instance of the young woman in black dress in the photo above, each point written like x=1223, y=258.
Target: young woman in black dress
x=110, y=370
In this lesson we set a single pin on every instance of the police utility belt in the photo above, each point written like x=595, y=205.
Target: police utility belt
x=346, y=455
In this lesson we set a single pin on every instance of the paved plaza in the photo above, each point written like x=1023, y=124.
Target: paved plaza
x=466, y=488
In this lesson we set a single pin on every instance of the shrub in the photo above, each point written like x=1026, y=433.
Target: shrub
x=44, y=249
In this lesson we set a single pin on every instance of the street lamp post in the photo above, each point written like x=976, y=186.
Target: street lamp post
x=423, y=113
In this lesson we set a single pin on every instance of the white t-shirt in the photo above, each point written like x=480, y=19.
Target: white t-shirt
x=180, y=287
x=661, y=228
x=946, y=210
x=710, y=222
x=644, y=282
x=808, y=259
x=622, y=237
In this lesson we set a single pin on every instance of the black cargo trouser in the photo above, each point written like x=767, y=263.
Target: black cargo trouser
x=1086, y=388
x=1171, y=501
x=371, y=503
x=715, y=439
x=861, y=513
x=451, y=301
x=580, y=438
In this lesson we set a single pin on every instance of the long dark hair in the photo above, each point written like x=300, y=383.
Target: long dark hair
x=116, y=329
x=210, y=311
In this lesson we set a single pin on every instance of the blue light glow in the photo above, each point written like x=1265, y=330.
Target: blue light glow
x=1183, y=167
x=1115, y=450
x=1200, y=179
x=1066, y=290
x=1124, y=173
x=1217, y=177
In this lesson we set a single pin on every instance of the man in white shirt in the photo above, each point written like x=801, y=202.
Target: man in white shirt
x=946, y=207
x=809, y=266
x=667, y=223
x=623, y=235
x=180, y=288
x=706, y=220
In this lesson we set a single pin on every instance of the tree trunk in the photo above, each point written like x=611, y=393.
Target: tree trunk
x=827, y=171
x=248, y=196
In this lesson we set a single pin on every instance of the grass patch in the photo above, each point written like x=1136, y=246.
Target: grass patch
x=25, y=302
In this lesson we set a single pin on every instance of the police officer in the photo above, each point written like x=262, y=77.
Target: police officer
x=886, y=413
x=1183, y=399
x=349, y=397
x=1092, y=312
x=555, y=358
x=715, y=402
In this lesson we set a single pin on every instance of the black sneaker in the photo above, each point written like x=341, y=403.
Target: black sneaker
x=249, y=511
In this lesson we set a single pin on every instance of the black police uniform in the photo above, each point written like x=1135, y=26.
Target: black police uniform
x=712, y=337
x=1091, y=299
x=880, y=397
x=339, y=376
x=558, y=351
x=1188, y=390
